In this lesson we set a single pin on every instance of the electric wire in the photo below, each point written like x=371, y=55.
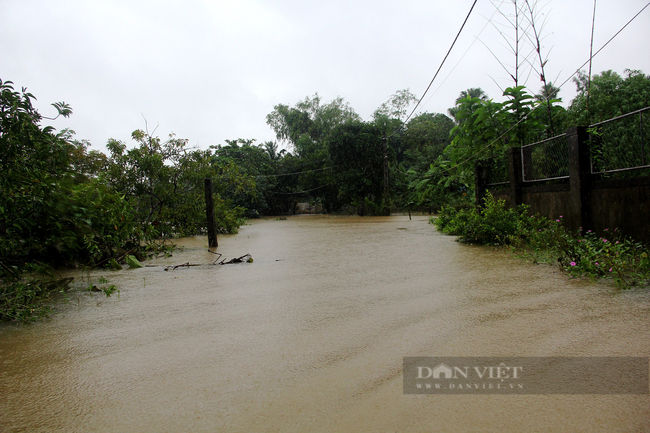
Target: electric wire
x=476, y=38
x=559, y=87
x=291, y=174
x=302, y=192
x=438, y=71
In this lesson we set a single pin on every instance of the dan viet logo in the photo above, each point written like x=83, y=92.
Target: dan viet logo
x=442, y=371
x=526, y=375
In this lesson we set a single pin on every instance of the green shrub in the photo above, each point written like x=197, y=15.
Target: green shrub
x=587, y=254
x=491, y=224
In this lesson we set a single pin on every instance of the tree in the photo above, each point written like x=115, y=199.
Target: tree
x=610, y=95
x=473, y=92
x=616, y=144
x=259, y=162
x=390, y=118
x=306, y=126
x=426, y=136
x=527, y=22
x=355, y=149
x=87, y=164
x=163, y=181
x=423, y=141
x=396, y=107
x=548, y=92
x=52, y=209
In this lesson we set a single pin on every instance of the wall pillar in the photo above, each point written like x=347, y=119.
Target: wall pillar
x=515, y=175
x=481, y=179
x=579, y=177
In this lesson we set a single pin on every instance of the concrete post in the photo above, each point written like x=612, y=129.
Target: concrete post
x=515, y=175
x=579, y=177
x=481, y=176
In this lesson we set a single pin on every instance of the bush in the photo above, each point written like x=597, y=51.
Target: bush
x=587, y=254
x=491, y=224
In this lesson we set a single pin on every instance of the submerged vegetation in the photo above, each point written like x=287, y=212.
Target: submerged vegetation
x=543, y=240
x=62, y=205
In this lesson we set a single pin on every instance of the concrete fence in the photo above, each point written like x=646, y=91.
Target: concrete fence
x=583, y=196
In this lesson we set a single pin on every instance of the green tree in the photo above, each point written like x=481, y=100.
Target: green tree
x=397, y=105
x=473, y=92
x=53, y=208
x=163, y=181
x=306, y=128
x=609, y=95
x=548, y=92
x=355, y=149
x=260, y=162
x=426, y=137
x=51, y=211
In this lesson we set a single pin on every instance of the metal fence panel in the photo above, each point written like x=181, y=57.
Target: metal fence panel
x=546, y=160
x=621, y=144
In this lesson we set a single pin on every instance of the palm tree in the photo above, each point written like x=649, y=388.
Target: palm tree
x=548, y=92
x=473, y=92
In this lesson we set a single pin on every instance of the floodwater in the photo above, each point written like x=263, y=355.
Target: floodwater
x=311, y=336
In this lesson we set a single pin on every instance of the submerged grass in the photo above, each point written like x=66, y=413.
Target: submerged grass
x=31, y=298
x=28, y=292
x=27, y=300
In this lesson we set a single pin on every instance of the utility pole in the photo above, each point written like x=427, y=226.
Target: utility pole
x=386, y=198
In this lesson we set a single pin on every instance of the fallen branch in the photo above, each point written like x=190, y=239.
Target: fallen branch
x=187, y=265
x=246, y=257
x=219, y=254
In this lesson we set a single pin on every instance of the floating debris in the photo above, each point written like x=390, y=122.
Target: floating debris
x=245, y=258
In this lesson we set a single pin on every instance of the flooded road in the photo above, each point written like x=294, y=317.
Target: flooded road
x=311, y=338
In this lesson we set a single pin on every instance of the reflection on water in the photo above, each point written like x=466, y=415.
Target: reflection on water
x=311, y=336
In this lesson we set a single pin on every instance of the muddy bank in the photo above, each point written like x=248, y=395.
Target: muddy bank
x=311, y=337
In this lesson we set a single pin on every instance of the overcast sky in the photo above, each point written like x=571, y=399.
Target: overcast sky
x=212, y=70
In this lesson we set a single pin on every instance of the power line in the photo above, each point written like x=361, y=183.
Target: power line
x=559, y=87
x=302, y=192
x=439, y=68
x=278, y=175
x=591, y=52
x=291, y=174
x=476, y=38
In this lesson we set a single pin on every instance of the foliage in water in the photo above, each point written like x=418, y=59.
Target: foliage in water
x=585, y=253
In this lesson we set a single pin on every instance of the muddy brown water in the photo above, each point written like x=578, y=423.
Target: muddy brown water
x=311, y=337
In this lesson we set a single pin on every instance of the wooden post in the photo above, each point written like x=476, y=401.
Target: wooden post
x=209, y=213
x=579, y=177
